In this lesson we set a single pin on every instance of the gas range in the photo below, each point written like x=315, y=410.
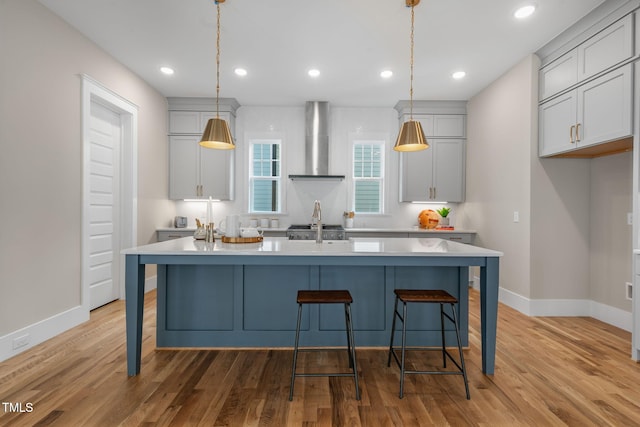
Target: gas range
x=308, y=232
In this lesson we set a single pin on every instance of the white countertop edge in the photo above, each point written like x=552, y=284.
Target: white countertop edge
x=281, y=246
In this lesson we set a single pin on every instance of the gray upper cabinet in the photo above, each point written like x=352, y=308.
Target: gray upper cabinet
x=436, y=174
x=587, y=95
x=196, y=172
x=594, y=113
x=604, y=50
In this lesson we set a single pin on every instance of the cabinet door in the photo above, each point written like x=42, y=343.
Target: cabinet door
x=434, y=174
x=559, y=74
x=448, y=170
x=185, y=122
x=609, y=47
x=449, y=126
x=557, y=120
x=604, y=108
x=183, y=167
x=216, y=168
x=416, y=175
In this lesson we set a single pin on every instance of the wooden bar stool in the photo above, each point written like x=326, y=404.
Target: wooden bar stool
x=326, y=297
x=426, y=296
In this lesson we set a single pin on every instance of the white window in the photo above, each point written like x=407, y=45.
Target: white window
x=368, y=177
x=265, y=176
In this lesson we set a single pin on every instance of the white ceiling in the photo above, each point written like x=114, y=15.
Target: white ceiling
x=350, y=41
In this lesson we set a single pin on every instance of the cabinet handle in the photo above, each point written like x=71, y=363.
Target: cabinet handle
x=571, y=134
x=578, y=132
x=434, y=192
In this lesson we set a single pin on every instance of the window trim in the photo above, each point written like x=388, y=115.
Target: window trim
x=265, y=139
x=368, y=138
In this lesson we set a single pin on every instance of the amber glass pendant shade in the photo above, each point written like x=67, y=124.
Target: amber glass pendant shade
x=217, y=135
x=411, y=137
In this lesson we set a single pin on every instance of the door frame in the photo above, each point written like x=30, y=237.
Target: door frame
x=93, y=91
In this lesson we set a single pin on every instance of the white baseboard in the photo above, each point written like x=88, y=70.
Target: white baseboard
x=43, y=330
x=567, y=308
x=150, y=283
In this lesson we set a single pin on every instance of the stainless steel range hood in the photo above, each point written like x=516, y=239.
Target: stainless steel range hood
x=316, y=142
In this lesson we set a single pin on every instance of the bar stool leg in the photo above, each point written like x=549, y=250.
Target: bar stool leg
x=444, y=354
x=295, y=352
x=349, y=343
x=393, y=329
x=404, y=347
x=352, y=353
x=464, y=369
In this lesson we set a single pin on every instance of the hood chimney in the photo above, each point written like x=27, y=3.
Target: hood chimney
x=316, y=142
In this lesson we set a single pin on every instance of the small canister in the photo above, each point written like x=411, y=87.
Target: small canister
x=275, y=223
x=264, y=222
x=253, y=223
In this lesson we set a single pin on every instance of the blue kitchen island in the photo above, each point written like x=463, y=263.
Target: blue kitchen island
x=244, y=295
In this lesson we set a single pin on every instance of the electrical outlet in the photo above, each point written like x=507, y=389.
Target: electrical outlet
x=628, y=290
x=20, y=341
x=629, y=218
x=516, y=216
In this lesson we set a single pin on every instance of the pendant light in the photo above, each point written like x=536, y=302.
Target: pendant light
x=411, y=136
x=217, y=134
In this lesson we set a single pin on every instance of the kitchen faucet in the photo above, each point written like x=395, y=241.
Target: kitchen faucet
x=316, y=218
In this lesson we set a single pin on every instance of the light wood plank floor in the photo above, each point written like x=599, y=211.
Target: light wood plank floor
x=549, y=372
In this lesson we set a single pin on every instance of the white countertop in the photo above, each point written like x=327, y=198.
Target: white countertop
x=355, y=246
x=413, y=229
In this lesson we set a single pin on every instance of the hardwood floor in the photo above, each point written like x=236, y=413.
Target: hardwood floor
x=549, y=372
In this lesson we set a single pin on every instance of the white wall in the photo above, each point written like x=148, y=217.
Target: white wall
x=611, y=235
x=40, y=164
x=499, y=136
x=287, y=123
x=570, y=254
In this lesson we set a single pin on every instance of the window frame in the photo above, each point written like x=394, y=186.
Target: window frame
x=251, y=178
x=368, y=139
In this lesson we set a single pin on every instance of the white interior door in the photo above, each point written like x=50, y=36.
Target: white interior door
x=105, y=139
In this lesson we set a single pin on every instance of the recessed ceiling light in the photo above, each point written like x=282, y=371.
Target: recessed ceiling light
x=458, y=75
x=240, y=72
x=314, y=72
x=386, y=74
x=525, y=11
x=166, y=70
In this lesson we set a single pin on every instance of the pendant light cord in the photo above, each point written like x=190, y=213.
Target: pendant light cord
x=218, y=62
x=411, y=67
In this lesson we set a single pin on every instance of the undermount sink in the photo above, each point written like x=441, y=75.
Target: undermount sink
x=324, y=242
